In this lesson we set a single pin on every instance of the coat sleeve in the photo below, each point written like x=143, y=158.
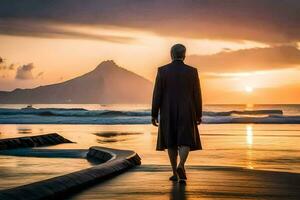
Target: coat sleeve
x=157, y=95
x=197, y=96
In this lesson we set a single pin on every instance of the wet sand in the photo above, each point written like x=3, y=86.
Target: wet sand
x=24, y=166
x=151, y=182
x=255, y=147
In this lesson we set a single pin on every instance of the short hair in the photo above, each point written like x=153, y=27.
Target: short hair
x=178, y=52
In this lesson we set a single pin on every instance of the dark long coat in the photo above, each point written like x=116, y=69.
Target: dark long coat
x=177, y=97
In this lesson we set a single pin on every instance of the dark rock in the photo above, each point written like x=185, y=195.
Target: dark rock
x=32, y=141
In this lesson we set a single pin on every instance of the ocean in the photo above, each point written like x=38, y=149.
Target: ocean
x=140, y=114
x=261, y=137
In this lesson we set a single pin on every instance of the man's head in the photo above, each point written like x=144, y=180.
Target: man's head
x=178, y=52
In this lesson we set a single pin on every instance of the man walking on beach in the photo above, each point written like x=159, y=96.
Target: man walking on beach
x=177, y=98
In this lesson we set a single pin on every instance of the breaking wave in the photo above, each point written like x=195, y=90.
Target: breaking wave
x=83, y=116
x=72, y=112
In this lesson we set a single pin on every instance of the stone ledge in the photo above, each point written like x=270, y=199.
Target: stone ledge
x=33, y=141
x=116, y=162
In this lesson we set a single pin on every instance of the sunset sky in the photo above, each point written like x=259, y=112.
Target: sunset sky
x=245, y=51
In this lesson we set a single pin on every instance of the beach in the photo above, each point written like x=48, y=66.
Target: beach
x=115, y=99
x=151, y=182
x=232, y=155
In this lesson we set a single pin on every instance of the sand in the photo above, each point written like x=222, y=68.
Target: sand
x=151, y=182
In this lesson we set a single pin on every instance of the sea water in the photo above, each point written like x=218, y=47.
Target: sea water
x=140, y=114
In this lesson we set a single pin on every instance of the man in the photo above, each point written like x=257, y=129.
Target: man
x=177, y=97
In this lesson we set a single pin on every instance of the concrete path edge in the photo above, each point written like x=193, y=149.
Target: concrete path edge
x=114, y=162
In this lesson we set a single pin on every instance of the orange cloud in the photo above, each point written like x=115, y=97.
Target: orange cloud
x=246, y=60
x=25, y=72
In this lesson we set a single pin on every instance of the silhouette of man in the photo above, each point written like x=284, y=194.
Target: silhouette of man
x=177, y=98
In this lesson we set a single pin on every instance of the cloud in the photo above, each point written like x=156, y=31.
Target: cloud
x=265, y=21
x=255, y=59
x=45, y=29
x=5, y=68
x=217, y=76
x=24, y=72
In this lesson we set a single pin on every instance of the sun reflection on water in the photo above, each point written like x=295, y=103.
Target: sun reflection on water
x=249, y=132
x=249, y=160
x=249, y=140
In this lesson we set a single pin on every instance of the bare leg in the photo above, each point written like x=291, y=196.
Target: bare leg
x=183, y=154
x=173, y=153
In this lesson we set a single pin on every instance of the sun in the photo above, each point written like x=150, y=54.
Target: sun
x=249, y=89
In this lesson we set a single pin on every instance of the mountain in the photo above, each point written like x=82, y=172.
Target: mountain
x=107, y=83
